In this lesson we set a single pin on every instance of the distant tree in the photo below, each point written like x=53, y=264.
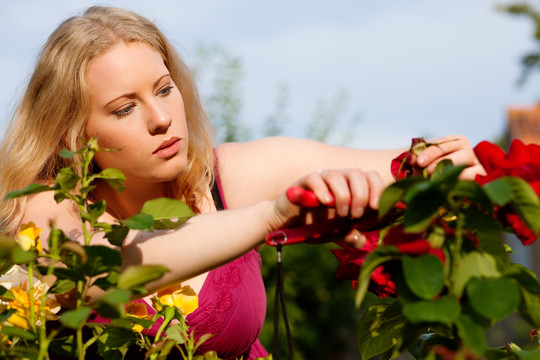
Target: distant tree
x=531, y=60
x=223, y=102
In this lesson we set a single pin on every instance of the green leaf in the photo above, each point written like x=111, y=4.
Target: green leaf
x=71, y=248
x=75, y=318
x=176, y=333
x=444, y=310
x=496, y=354
x=480, y=222
x=142, y=222
x=394, y=193
x=138, y=275
x=66, y=180
x=62, y=286
x=21, y=256
x=530, y=308
x=67, y=154
x=7, y=245
x=164, y=209
x=494, y=246
x=111, y=305
x=525, y=201
x=114, y=177
x=424, y=275
x=63, y=273
x=6, y=314
x=101, y=259
x=29, y=190
x=472, y=191
x=115, y=340
x=376, y=258
x=65, y=346
x=524, y=277
x=5, y=294
x=423, y=203
x=94, y=211
x=471, y=333
x=446, y=172
x=493, y=298
x=379, y=329
x=499, y=191
x=117, y=234
x=470, y=265
x=107, y=282
x=13, y=331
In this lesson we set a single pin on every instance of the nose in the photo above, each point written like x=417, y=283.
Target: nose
x=159, y=119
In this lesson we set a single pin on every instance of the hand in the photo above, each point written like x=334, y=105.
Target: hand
x=456, y=148
x=346, y=193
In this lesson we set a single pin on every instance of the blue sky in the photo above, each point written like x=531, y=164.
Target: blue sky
x=410, y=68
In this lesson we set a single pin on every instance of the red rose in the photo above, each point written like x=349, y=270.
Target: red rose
x=351, y=261
x=411, y=243
x=382, y=284
x=401, y=166
x=521, y=161
x=522, y=231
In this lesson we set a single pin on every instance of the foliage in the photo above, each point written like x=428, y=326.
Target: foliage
x=441, y=269
x=78, y=268
x=220, y=74
x=530, y=61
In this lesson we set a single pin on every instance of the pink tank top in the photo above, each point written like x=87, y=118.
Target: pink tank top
x=232, y=305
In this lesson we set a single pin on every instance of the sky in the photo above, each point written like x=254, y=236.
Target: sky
x=409, y=68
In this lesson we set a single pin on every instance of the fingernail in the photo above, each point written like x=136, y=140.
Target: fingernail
x=344, y=210
x=358, y=212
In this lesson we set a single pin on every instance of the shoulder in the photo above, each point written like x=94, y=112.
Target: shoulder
x=43, y=210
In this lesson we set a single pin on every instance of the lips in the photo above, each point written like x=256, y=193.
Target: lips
x=168, y=147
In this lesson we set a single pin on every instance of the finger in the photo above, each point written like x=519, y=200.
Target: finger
x=376, y=188
x=441, y=147
x=359, y=188
x=318, y=185
x=471, y=172
x=460, y=157
x=339, y=187
x=303, y=197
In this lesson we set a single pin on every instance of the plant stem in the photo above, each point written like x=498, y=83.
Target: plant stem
x=31, y=296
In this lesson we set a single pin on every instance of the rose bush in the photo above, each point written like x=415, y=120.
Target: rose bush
x=440, y=271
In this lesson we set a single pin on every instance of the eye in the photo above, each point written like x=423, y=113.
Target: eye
x=165, y=91
x=124, y=111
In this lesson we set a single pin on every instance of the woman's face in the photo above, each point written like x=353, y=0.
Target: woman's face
x=135, y=107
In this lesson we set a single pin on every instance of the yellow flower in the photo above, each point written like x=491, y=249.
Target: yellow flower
x=138, y=310
x=21, y=305
x=183, y=297
x=16, y=281
x=29, y=237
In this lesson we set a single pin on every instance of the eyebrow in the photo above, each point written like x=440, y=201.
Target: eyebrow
x=132, y=95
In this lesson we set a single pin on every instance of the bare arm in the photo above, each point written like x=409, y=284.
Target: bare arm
x=262, y=169
x=209, y=240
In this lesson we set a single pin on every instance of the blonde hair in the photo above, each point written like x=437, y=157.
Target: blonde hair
x=53, y=111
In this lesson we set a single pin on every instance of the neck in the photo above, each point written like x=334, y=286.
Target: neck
x=130, y=201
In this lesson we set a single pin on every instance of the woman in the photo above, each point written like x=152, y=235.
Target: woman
x=110, y=74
